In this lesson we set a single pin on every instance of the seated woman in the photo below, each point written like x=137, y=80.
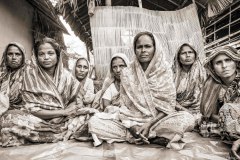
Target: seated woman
x=11, y=75
x=147, y=102
x=81, y=71
x=109, y=94
x=189, y=76
x=84, y=97
x=49, y=93
x=221, y=96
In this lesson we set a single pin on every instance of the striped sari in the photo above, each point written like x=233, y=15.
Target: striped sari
x=40, y=92
x=218, y=98
x=189, y=84
x=11, y=81
x=189, y=89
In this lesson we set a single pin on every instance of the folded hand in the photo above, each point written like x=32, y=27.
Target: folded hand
x=235, y=148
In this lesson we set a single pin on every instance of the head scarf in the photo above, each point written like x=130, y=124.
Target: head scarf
x=213, y=84
x=74, y=69
x=147, y=92
x=45, y=92
x=86, y=92
x=108, y=80
x=197, y=76
x=11, y=81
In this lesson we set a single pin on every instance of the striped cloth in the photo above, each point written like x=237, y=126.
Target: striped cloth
x=189, y=88
x=11, y=81
x=214, y=84
x=43, y=92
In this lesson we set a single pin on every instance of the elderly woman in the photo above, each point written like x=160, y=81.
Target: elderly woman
x=189, y=76
x=49, y=92
x=147, y=97
x=109, y=94
x=221, y=96
x=81, y=71
x=11, y=75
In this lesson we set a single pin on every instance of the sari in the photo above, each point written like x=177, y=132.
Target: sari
x=189, y=84
x=142, y=96
x=109, y=80
x=86, y=86
x=40, y=92
x=219, y=98
x=11, y=81
x=84, y=99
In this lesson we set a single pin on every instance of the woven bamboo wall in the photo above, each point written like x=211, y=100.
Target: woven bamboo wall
x=113, y=30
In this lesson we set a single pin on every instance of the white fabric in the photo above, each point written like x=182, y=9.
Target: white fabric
x=89, y=91
x=110, y=92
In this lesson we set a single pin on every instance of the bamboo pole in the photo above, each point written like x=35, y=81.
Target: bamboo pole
x=108, y=2
x=88, y=56
x=140, y=3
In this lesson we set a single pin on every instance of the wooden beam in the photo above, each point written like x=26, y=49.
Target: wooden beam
x=176, y=4
x=88, y=56
x=79, y=7
x=183, y=4
x=200, y=4
x=150, y=1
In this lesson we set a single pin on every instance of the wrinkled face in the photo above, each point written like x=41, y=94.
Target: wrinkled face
x=14, y=57
x=144, y=49
x=187, y=56
x=117, y=65
x=47, y=56
x=224, y=66
x=81, y=69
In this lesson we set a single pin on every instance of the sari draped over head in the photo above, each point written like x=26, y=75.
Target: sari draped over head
x=43, y=92
x=40, y=92
x=143, y=95
x=213, y=85
x=147, y=93
x=189, y=86
x=11, y=81
x=86, y=90
x=97, y=103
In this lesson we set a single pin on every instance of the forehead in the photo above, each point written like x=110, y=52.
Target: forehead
x=186, y=48
x=13, y=49
x=82, y=62
x=118, y=61
x=220, y=57
x=45, y=46
x=144, y=39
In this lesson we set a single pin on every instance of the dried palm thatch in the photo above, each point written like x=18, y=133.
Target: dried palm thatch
x=46, y=21
x=75, y=12
x=216, y=6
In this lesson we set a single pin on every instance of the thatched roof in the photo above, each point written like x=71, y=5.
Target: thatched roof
x=75, y=12
x=46, y=10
